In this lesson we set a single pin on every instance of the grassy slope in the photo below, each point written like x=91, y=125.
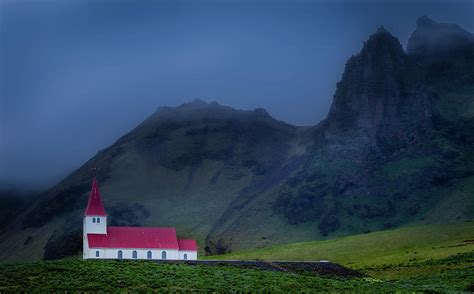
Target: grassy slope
x=404, y=246
x=191, y=198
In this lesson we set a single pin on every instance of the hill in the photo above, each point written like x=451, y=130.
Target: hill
x=395, y=149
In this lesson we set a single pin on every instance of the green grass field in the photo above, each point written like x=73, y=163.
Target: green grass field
x=132, y=276
x=392, y=254
x=406, y=244
x=422, y=258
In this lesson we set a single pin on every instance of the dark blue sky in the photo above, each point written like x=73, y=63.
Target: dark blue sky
x=76, y=75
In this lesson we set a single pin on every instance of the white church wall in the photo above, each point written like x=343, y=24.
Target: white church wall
x=95, y=227
x=190, y=255
x=112, y=253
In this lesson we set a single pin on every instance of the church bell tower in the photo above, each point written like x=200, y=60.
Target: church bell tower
x=95, y=218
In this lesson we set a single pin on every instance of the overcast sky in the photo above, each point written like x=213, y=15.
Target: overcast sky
x=76, y=75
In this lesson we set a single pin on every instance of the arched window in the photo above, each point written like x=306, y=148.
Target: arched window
x=163, y=255
x=148, y=255
x=97, y=254
x=185, y=256
x=134, y=254
x=119, y=254
x=93, y=219
x=98, y=220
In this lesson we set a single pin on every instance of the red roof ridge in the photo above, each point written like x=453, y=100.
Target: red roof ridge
x=135, y=237
x=94, y=205
x=151, y=228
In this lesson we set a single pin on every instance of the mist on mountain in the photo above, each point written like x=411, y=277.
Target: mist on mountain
x=76, y=75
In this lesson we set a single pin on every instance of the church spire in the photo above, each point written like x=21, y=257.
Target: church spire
x=94, y=206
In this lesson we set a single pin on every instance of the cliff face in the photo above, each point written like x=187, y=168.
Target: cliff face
x=380, y=103
x=396, y=129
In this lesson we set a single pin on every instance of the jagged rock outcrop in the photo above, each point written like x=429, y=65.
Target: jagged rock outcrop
x=386, y=134
x=433, y=38
x=380, y=103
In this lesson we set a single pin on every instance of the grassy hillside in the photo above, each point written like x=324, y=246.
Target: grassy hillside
x=181, y=167
x=377, y=253
x=78, y=275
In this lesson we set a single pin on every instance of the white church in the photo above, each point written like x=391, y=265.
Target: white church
x=106, y=242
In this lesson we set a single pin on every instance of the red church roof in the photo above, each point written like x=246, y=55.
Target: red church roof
x=94, y=206
x=135, y=237
x=187, y=244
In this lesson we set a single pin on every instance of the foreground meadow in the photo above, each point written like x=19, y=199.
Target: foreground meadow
x=110, y=275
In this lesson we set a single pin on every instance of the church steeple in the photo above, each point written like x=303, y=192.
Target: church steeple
x=95, y=218
x=94, y=206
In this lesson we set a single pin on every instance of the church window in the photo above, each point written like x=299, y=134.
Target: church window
x=148, y=255
x=93, y=219
x=120, y=254
x=97, y=254
x=98, y=220
x=185, y=256
x=163, y=255
x=134, y=254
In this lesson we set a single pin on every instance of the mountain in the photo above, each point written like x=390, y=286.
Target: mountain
x=181, y=167
x=431, y=38
x=396, y=148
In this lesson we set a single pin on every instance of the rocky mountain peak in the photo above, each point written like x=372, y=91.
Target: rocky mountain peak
x=381, y=44
x=381, y=31
x=433, y=38
x=369, y=78
x=425, y=21
x=200, y=109
x=378, y=97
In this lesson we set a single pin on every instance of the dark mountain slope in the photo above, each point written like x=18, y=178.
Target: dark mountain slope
x=385, y=156
x=380, y=104
x=396, y=148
